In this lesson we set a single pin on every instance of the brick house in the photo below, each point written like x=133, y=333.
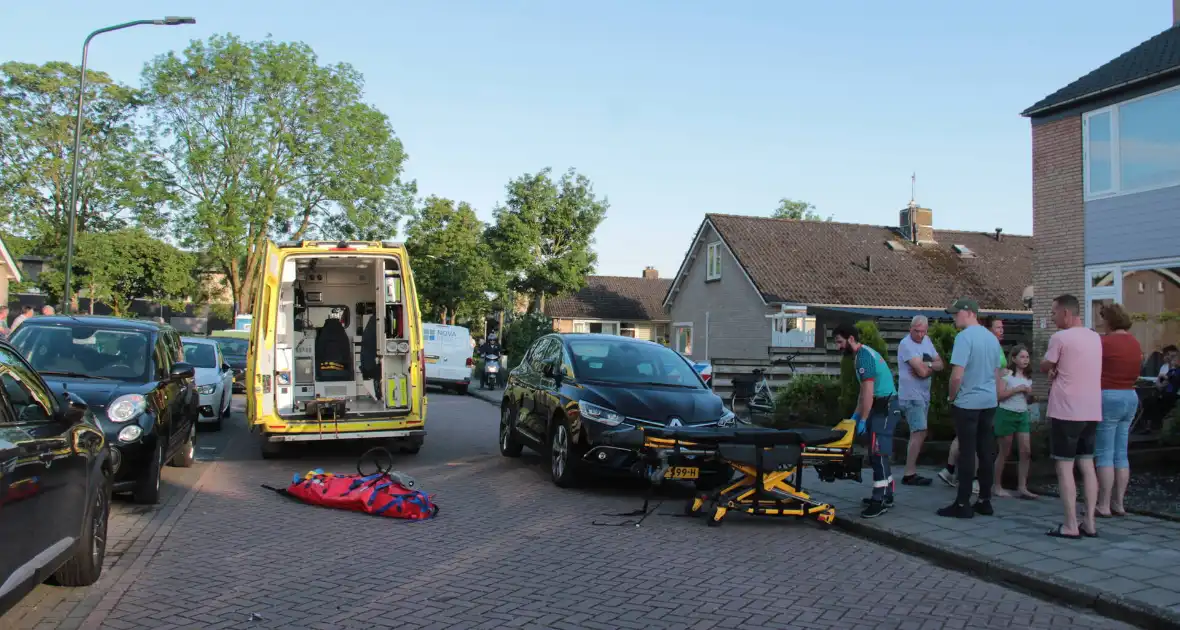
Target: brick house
x=1106, y=191
x=750, y=287
x=618, y=305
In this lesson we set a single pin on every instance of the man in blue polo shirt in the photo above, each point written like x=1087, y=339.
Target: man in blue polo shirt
x=877, y=414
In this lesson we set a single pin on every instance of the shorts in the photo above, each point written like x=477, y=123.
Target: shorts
x=1010, y=422
x=1070, y=440
x=915, y=412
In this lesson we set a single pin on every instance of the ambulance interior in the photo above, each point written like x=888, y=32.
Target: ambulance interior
x=341, y=334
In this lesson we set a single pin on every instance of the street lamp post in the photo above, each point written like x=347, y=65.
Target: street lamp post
x=73, y=216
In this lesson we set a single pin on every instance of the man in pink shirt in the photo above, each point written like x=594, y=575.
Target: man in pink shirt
x=1074, y=365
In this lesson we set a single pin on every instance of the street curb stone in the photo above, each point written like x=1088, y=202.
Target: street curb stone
x=1111, y=606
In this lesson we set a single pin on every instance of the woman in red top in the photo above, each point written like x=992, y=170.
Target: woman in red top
x=1121, y=359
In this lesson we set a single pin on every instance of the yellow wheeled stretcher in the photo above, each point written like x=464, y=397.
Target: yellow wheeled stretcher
x=766, y=466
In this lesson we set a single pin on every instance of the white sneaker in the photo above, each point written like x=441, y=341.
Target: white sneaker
x=975, y=487
x=947, y=478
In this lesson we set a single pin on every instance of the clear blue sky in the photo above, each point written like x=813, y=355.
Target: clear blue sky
x=675, y=109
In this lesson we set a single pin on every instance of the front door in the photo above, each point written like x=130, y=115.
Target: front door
x=45, y=479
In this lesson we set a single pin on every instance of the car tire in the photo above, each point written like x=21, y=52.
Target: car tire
x=147, y=489
x=187, y=454
x=461, y=390
x=562, y=462
x=510, y=446
x=268, y=449
x=85, y=566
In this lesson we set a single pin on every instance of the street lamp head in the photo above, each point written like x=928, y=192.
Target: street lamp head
x=173, y=20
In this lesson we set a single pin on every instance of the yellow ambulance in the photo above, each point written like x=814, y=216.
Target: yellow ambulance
x=336, y=347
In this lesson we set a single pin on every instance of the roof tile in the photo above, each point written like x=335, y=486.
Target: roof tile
x=613, y=298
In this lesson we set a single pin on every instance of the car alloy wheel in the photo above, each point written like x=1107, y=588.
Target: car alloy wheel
x=98, y=526
x=505, y=429
x=559, y=450
x=159, y=466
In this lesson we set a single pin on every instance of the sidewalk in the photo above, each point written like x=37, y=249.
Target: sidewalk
x=493, y=396
x=1131, y=572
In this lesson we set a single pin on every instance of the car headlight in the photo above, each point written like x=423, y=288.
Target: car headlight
x=599, y=414
x=130, y=433
x=206, y=389
x=727, y=419
x=126, y=407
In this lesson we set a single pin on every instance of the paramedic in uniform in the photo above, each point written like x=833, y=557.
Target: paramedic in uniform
x=877, y=414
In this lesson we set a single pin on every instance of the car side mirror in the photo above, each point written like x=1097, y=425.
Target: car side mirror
x=225, y=367
x=180, y=371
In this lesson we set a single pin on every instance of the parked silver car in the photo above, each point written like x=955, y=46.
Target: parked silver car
x=214, y=379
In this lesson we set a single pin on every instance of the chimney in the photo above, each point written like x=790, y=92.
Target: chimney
x=650, y=273
x=917, y=223
x=1000, y=231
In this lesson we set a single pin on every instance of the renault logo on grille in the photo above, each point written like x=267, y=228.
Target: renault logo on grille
x=675, y=422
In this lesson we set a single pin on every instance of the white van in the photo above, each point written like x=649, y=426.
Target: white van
x=449, y=356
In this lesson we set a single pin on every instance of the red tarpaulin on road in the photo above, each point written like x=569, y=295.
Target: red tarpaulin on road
x=381, y=494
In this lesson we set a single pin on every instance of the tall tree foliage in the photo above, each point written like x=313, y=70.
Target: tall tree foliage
x=544, y=233
x=264, y=142
x=119, y=184
x=798, y=210
x=452, y=266
x=118, y=267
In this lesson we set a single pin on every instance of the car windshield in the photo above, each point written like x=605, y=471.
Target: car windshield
x=628, y=362
x=234, y=347
x=200, y=355
x=83, y=350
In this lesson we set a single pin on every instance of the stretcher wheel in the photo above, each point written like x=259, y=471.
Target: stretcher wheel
x=718, y=516
x=827, y=518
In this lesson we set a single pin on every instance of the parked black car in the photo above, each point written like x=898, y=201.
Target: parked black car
x=569, y=389
x=133, y=376
x=234, y=351
x=55, y=484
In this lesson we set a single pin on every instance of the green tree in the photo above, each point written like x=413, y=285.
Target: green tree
x=798, y=210
x=118, y=267
x=543, y=235
x=942, y=335
x=521, y=332
x=849, y=386
x=452, y=266
x=119, y=184
x=264, y=142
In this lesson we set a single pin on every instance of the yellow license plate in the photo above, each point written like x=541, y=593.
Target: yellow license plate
x=683, y=472
x=432, y=359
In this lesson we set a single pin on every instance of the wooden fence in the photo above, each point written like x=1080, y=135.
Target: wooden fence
x=826, y=360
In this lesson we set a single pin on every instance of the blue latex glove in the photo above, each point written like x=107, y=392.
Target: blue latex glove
x=860, y=423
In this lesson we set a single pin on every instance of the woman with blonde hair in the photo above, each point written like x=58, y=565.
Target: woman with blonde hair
x=1122, y=357
x=1012, y=421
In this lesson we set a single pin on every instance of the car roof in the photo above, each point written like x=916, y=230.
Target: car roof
x=200, y=340
x=567, y=337
x=104, y=321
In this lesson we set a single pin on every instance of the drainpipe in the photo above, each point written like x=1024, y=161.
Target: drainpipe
x=707, y=325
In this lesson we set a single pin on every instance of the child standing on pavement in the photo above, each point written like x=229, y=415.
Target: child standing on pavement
x=1012, y=421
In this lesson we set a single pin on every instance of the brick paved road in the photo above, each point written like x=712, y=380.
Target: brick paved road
x=511, y=550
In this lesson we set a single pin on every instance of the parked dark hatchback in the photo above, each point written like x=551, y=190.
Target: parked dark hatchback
x=570, y=389
x=55, y=484
x=133, y=376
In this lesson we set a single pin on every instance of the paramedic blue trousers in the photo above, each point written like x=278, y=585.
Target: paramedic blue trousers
x=883, y=420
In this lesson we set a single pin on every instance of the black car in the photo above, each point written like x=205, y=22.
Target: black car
x=55, y=484
x=570, y=389
x=234, y=351
x=133, y=376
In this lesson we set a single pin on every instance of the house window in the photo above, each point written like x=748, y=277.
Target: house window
x=1133, y=146
x=1155, y=315
x=596, y=327
x=627, y=329
x=713, y=262
x=682, y=338
x=792, y=329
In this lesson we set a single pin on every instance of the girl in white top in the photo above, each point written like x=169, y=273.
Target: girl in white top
x=1012, y=420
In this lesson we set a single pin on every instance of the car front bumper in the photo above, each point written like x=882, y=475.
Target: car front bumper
x=208, y=407
x=614, y=459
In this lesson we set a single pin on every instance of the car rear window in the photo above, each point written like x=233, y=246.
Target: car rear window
x=200, y=355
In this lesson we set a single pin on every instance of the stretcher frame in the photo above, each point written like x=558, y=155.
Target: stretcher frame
x=751, y=488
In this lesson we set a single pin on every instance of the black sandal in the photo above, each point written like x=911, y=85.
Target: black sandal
x=1057, y=533
x=1093, y=534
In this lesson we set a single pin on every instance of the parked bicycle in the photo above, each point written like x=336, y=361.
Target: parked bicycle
x=755, y=390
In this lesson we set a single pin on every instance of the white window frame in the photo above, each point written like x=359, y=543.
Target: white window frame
x=1115, y=290
x=713, y=261
x=1115, y=174
x=604, y=322
x=806, y=325
x=675, y=336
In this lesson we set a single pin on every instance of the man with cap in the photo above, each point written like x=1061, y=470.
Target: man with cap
x=975, y=368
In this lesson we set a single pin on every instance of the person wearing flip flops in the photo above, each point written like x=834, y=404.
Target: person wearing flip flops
x=1121, y=357
x=975, y=368
x=1074, y=365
